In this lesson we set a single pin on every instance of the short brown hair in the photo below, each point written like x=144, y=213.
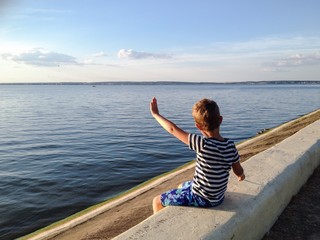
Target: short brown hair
x=206, y=114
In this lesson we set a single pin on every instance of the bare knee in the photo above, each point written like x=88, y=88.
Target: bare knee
x=156, y=204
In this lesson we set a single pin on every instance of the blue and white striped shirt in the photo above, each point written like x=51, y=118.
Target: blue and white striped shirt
x=214, y=161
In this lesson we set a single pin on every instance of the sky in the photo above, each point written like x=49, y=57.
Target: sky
x=167, y=40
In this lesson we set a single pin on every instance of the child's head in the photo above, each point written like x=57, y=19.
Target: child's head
x=206, y=114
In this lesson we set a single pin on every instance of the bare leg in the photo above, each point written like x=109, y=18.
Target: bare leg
x=156, y=204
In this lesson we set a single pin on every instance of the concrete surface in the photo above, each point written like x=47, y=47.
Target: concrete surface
x=250, y=207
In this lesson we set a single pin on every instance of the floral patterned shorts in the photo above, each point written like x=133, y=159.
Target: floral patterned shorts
x=184, y=196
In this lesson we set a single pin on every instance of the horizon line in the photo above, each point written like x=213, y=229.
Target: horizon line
x=163, y=82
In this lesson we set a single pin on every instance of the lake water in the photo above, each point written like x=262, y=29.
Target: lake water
x=64, y=148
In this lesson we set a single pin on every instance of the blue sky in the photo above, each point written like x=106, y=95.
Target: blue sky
x=145, y=40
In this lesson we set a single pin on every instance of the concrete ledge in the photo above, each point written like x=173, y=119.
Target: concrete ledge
x=250, y=207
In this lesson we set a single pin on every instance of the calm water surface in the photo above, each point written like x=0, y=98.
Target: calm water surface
x=66, y=147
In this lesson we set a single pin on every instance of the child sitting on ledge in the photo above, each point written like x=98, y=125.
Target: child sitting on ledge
x=215, y=157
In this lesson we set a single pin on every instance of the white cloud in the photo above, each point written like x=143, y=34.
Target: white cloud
x=131, y=54
x=99, y=54
x=40, y=57
x=295, y=60
x=90, y=60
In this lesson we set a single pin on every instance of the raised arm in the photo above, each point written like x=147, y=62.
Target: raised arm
x=167, y=124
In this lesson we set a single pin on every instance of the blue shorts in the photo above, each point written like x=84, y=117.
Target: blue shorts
x=185, y=197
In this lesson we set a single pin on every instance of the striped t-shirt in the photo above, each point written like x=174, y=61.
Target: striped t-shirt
x=214, y=161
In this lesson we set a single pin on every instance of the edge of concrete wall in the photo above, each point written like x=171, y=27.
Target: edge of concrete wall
x=251, y=207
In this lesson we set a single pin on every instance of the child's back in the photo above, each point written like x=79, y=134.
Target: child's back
x=214, y=161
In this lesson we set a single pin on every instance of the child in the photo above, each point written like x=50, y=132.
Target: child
x=215, y=157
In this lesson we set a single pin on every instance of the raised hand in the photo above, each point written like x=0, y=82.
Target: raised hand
x=154, y=106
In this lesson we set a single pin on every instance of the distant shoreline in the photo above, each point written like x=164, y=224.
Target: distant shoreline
x=291, y=82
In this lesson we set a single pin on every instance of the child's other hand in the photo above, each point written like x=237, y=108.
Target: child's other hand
x=154, y=106
x=242, y=177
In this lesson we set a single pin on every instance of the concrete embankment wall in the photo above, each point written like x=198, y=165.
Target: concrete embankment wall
x=251, y=207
